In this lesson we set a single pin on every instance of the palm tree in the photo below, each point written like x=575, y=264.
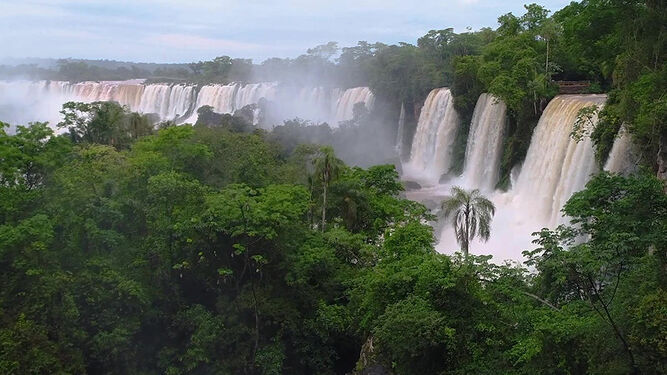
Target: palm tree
x=472, y=214
x=327, y=169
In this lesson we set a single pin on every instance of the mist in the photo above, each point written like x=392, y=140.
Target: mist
x=326, y=86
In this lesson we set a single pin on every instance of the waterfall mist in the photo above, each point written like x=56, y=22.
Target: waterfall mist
x=179, y=102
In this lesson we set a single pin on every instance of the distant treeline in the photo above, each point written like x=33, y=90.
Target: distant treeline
x=79, y=70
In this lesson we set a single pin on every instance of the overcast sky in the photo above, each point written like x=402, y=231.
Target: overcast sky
x=191, y=30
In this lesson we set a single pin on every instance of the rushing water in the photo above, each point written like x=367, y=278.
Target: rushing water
x=485, y=141
x=345, y=105
x=623, y=156
x=179, y=102
x=400, y=132
x=556, y=164
x=555, y=167
x=432, y=145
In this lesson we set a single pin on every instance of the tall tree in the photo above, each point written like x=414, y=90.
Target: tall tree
x=472, y=215
x=327, y=169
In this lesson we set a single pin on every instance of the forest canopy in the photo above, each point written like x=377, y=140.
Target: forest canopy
x=136, y=247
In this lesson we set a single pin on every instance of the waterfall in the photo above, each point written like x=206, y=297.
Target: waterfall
x=220, y=97
x=314, y=103
x=252, y=93
x=400, y=131
x=556, y=165
x=433, y=142
x=155, y=99
x=179, y=102
x=485, y=141
x=345, y=105
x=622, y=157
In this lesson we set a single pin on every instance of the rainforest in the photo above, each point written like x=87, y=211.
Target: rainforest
x=491, y=201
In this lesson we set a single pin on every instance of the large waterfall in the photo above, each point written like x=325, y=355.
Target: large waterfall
x=179, y=102
x=485, y=140
x=432, y=146
x=556, y=164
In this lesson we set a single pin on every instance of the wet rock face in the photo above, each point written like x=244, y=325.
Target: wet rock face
x=411, y=185
x=370, y=362
x=376, y=370
x=444, y=178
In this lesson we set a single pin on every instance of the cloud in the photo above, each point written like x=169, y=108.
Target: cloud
x=200, y=43
x=179, y=31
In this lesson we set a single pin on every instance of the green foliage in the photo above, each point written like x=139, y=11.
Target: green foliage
x=410, y=331
x=623, y=220
x=194, y=249
x=471, y=215
x=621, y=45
x=105, y=123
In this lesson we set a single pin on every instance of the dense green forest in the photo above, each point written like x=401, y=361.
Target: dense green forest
x=213, y=249
x=129, y=247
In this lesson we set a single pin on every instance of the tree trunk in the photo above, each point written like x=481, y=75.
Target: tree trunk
x=546, y=65
x=607, y=316
x=464, y=245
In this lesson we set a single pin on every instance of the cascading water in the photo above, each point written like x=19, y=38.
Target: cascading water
x=44, y=100
x=622, y=157
x=432, y=146
x=400, y=131
x=221, y=97
x=252, y=93
x=155, y=99
x=556, y=164
x=179, y=102
x=555, y=167
x=345, y=105
x=485, y=140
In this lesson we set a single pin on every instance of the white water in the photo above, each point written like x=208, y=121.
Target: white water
x=345, y=105
x=623, y=156
x=219, y=97
x=400, y=131
x=179, y=102
x=432, y=145
x=485, y=141
x=555, y=167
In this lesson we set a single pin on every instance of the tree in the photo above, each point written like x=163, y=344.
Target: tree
x=327, y=169
x=472, y=215
x=611, y=260
x=324, y=51
x=106, y=123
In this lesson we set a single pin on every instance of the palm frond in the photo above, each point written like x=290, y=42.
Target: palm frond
x=471, y=214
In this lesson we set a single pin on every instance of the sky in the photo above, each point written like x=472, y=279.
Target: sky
x=193, y=30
